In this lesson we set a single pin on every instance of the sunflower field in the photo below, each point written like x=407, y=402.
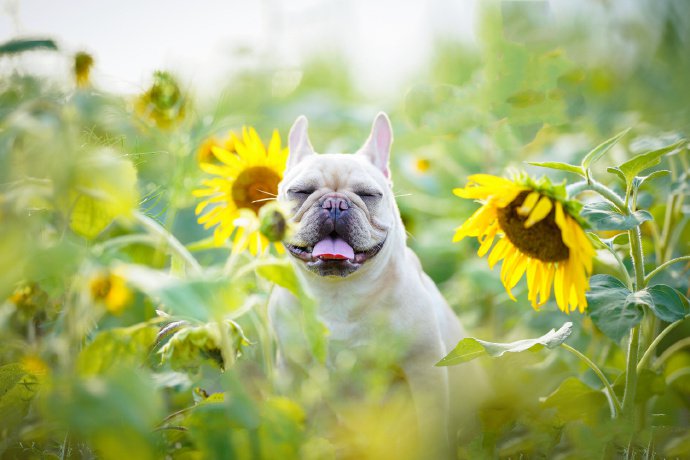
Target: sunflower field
x=541, y=173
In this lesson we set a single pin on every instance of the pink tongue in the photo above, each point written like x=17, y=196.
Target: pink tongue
x=333, y=248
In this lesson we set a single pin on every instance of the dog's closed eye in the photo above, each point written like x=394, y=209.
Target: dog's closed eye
x=368, y=194
x=300, y=193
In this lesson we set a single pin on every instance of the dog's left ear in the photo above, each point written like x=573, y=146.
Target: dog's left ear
x=378, y=147
x=298, y=142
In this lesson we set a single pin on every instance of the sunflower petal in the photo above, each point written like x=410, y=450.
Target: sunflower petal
x=548, y=273
x=487, y=239
x=528, y=204
x=540, y=211
x=499, y=251
x=519, y=268
x=226, y=157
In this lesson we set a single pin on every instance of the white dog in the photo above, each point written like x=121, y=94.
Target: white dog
x=349, y=249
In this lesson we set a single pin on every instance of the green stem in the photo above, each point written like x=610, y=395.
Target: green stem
x=124, y=240
x=226, y=349
x=650, y=351
x=661, y=267
x=631, y=372
x=621, y=265
x=613, y=400
x=634, y=346
x=173, y=243
x=64, y=450
x=637, y=257
x=601, y=189
x=679, y=345
x=609, y=194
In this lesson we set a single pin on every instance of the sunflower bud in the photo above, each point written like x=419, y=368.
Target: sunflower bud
x=82, y=69
x=272, y=222
x=164, y=102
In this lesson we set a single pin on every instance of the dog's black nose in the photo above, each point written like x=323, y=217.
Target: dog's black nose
x=335, y=205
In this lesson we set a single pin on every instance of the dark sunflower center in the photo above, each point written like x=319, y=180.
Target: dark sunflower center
x=541, y=241
x=254, y=187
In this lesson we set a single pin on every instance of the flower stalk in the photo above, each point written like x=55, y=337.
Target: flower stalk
x=614, y=404
x=173, y=243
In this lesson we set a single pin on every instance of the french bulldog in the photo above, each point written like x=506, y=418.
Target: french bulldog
x=349, y=250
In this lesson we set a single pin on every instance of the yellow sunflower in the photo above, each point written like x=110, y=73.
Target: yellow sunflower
x=246, y=180
x=535, y=232
x=205, y=153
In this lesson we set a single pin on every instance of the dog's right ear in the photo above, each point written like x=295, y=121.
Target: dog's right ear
x=298, y=142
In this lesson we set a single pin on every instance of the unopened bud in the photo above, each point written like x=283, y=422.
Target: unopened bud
x=273, y=223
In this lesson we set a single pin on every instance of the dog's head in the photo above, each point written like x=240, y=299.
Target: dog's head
x=342, y=204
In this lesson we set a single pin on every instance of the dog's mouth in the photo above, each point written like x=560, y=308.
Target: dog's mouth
x=333, y=255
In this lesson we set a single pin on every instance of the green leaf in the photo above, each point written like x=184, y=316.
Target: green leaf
x=573, y=400
x=104, y=188
x=639, y=163
x=619, y=173
x=126, y=345
x=603, y=215
x=470, y=348
x=282, y=273
x=114, y=412
x=17, y=389
x=199, y=300
x=559, y=166
x=21, y=45
x=610, y=307
x=603, y=243
x=601, y=149
x=640, y=180
x=639, y=299
x=668, y=304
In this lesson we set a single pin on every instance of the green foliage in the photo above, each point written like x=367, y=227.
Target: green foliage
x=644, y=161
x=602, y=215
x=600, y=150
x=469, y=348
x=558, y=166
x=667, y=303
x=17, y=388
x=17, y=46
x=104, y=188
x=612, y=307
x=126, y=346
x=115, y=412
x=574, y=400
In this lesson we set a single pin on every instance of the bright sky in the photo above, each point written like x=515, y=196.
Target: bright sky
x=385, y=41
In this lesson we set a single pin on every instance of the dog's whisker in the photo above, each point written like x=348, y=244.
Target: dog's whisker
x=403, y=194
x=267, y=193
x=263, y=199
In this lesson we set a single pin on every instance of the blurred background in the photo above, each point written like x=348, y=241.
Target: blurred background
x=469, y=86
x=384, y=44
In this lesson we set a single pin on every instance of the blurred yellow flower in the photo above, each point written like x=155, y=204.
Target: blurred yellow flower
x=245, y=182
x=112, y=291
x=33, y=364
x=205, y=154
x=422, y=165
x=82, y=69
x=537, y=235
